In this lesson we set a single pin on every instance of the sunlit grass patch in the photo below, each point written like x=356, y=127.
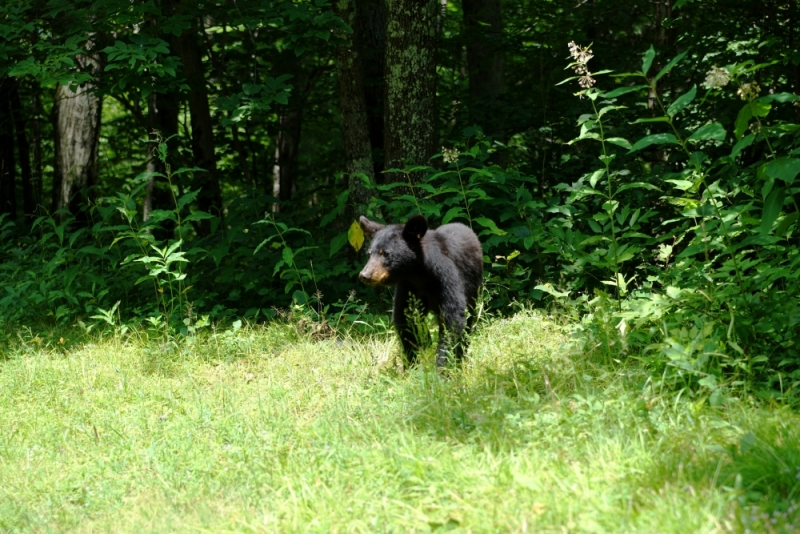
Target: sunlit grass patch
x=269, y=429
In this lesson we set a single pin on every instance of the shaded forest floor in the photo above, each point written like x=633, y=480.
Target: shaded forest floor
x=267, y=429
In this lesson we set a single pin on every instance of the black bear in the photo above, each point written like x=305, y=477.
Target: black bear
x=442, y=268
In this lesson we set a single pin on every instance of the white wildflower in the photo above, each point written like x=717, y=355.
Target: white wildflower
x=449, y=155
x=586, y=81
x=581, y=55
x=717, y=77
x=748, y=91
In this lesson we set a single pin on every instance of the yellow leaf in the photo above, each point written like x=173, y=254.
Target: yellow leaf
x=355, y=235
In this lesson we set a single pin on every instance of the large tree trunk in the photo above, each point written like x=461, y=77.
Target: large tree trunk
x=77, y=132
x=8, y=186
x=370, y=31
x=210, y=198
x=29, y=190
x=410, y=106
x=352, y=105
x=483, y=23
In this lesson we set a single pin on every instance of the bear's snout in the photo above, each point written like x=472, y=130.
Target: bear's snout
x=373, y=274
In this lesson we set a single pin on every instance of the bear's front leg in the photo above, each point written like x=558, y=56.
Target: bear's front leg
x=405, y=331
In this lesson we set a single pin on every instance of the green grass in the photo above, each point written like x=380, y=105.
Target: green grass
x=269, y=430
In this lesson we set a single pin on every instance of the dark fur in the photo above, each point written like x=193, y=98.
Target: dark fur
x=442, y=268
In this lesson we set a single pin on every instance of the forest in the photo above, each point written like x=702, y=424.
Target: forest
x=186, y=173
x=628, y=164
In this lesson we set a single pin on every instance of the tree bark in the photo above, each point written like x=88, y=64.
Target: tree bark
x=483, y=24
x=36, y=179
x=410, y=112
x=77, y=132
x=284, y=169
x=210, y=197
x=29, y=190
x=353, y=109
x=162, y=119
x=370, y=31
x=8, y=177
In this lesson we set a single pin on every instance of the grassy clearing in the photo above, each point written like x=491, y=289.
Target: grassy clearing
x=267, y=430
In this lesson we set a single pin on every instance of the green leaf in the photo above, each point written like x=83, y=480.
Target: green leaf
x=596, y=175
x=651, y=119
x=714, y=131
x=592, y=240
x=490, y=225
x=671, y=64
x=619, y=141
x=337, y=243
x=619, y=91
x=683, y=185
x=655, y=139
x=772, y=208
x=288, y=256
x=778, y=97
x=198, y=216
x=451, y=214
x=548, y=288
x=786, y=223
x=743, y=143
x=742, y=121
x=785, y=169
x=189, y=196
x=638, y=185
x=649, y=56
x=761, y=107
x=682, y=101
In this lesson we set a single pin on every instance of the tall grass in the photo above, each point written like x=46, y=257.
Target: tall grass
x=268, y=430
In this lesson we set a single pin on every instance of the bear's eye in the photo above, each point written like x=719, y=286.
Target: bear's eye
x=381, y=252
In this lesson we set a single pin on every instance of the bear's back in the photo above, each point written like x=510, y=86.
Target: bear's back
x=460, y=244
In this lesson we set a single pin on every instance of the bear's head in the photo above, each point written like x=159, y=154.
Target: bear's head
x=394, y=249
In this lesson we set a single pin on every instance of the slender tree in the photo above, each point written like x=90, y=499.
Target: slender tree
x=36, y=146
x=8, y=176
x=187, y=45
x=369, y=28
x=483, y=23
x=353, y=109
x=29, y=190
x=162, y=118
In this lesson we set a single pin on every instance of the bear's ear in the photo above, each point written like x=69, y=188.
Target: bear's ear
x=370, y=228
x=415, y=228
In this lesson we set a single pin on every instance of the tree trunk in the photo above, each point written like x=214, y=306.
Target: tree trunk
x=77, y=132
x=353, y=109
x=370, y=31
x=284, y=169
x=29, y=199
x=410, y=106
x=162, y=117
x=210, y=197
x=36, y=179
x=8, y=176
x=483, y=23
x=662, y=10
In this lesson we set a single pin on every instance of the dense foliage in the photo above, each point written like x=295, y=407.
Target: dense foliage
x=658, y=204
